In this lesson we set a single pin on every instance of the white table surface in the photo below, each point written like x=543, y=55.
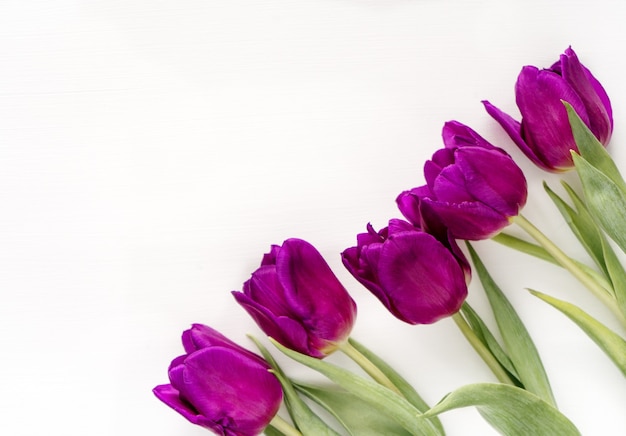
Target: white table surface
x=151, y=151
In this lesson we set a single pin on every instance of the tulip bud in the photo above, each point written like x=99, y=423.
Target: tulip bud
x=295, y=298
x=417, y=277
x=220, y=385
x=472, y=187
x=544, y=134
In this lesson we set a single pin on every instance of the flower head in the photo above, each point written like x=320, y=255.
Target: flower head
x=544, y=134
x=418, y=278
x=472, y=188
x=221, y=386
x=296, y=299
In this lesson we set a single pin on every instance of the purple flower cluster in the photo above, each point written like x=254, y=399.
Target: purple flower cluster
x=415, y=268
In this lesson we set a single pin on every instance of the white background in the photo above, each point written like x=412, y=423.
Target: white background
x=151, y=151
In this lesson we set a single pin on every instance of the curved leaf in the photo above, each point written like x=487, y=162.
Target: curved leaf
x=358, y=417
x=510, y=410
x=302, y=416
x=610, y=342
x=519, y=345
x=403, y=386
x=394, y=405
x=605, y=199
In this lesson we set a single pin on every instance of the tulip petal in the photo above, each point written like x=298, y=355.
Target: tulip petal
x=503, y=190
x=265, y=289
x=357, y=262
x=514, y=130
x=545, y=123
x=270, y=258
x=201, y=336
x=471, y=220
x=213, y=379
x=450, y=187
x=409, y=203
x=456, y=135
x=170, y=396
x=602, y=95
x=596, y=103
x=424, y=281
x=313, y=292
x=282, y=328
x=440, y=159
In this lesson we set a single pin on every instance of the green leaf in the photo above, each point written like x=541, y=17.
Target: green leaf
x=519, y=345
x=510, y=410
x=524, y=246
x=541, y=253
x=358, y=417
x=582, y=225
x=405, y=388
x=592, y=150
x=389, y=402
x=610, y=342
x=617, y=274
x=487, y=338
x=271, y=431
x=303, y=417
x=605, y=200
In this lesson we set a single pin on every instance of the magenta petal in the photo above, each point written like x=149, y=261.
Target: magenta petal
x=471, y=220
x=514, y=130
x=363, y=265
x=456, y=135
x=370, y=237
x=440, y=159
x=265, y=289
x=314, y=293
x=423, y=279
x=539, y=96
x=450, y=186
x=285, y=330
x=171, y=397
x=213, y=380
x=200, y=336
x=270, y=258
x=503, y=190
x=409, y=203
x=602, y=95
x=596, y=104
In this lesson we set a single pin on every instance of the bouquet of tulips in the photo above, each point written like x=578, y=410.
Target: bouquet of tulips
x=419, y=269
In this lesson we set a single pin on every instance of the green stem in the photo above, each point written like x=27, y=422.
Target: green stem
x=284, y=427
x=368, y=366
x=569, y=264
x=482, y=350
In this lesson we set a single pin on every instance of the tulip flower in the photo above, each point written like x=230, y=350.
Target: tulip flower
x=417, y=277
x=544, y=134
x=221, y=386
x=472, y=187
x=295, y=298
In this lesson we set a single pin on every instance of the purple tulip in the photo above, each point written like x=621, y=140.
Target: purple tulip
x=296, y=299
x=418, y=278
x=472, y=188
x=544, y=135
x=220, y=385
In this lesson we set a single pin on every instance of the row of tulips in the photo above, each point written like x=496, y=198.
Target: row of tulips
x=414, y=267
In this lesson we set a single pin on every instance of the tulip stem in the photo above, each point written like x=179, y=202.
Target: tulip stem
x=368, y=366
x=569, y=264
x=284, y=427
x=482, y=350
